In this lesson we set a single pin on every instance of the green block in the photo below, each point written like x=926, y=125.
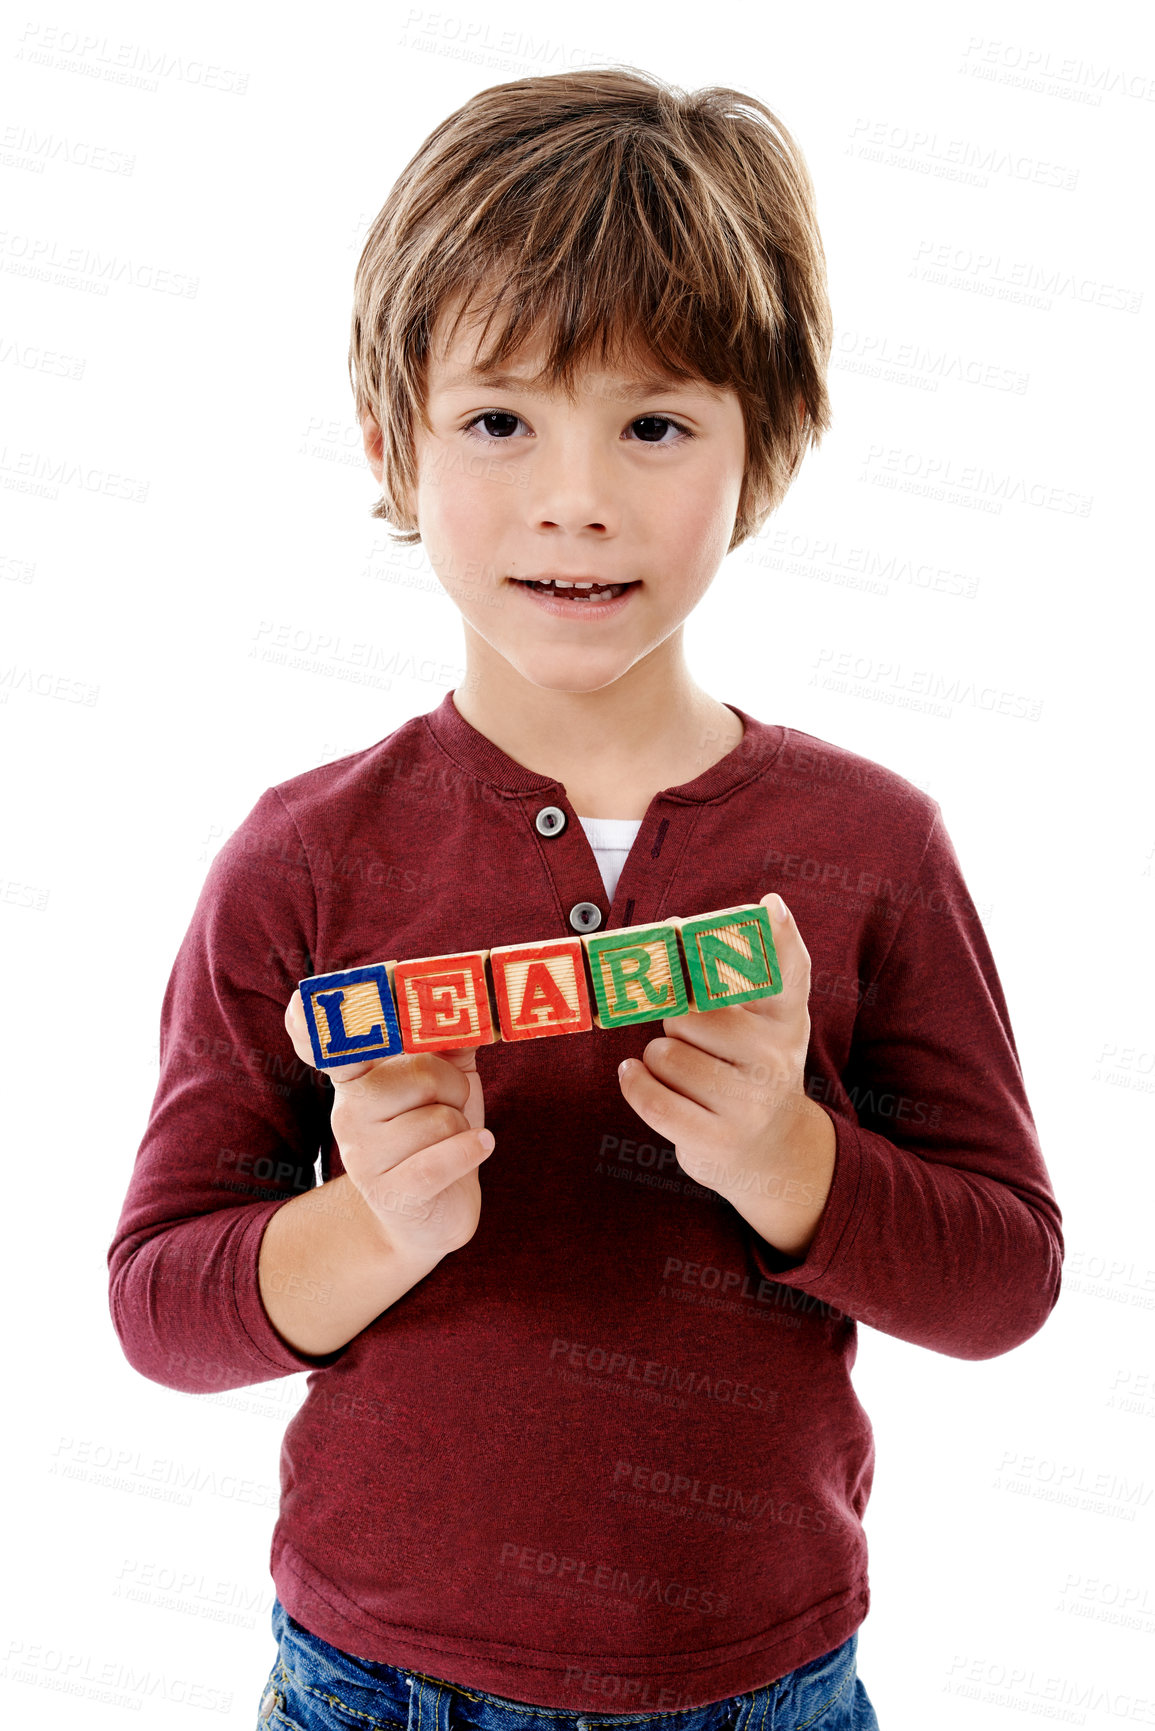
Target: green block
x=729, y=956
x=637, y=975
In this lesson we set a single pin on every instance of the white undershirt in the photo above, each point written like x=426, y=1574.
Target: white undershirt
x=611, y=839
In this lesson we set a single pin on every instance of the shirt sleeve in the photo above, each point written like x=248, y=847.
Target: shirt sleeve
x=236, y=1125
x=941, y=1226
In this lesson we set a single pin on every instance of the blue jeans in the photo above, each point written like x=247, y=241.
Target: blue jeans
x=315, y=1687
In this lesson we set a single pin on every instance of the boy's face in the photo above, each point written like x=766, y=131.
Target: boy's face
x=632, y=483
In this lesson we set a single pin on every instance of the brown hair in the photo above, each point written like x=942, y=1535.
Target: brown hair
x=605, y=207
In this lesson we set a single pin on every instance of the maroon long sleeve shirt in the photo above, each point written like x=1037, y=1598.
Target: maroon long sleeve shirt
x=607, y=1456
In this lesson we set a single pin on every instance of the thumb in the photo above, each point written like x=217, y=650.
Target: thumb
x=793, y=960
x=298, y=1031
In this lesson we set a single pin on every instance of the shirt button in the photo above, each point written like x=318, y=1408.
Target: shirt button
x=585, y=916
x=550, y=820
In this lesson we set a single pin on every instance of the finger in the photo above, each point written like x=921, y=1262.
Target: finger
x=383, y=1144
x=730, y=1034
x=463, y=1059
x=392, y=1086
x=734, y=1092
x=670, y=1114
x=712, y=1082
x=410, y=1189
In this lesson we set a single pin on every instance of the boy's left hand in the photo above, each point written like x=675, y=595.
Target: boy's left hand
x=726, y=1088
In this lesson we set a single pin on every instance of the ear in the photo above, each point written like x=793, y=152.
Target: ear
x=801, y=409
x=374, y=444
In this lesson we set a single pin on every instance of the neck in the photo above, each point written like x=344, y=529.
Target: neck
x=612, y=749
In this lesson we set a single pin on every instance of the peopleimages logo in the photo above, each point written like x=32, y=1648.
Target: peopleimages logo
x=961, y=159
x=920, y=687
x=1065, y=76
x=605, y=1361
x=1023, y=282
x=881, y=356
x=680, y=1487
x=642, y=1588
x=993, y=487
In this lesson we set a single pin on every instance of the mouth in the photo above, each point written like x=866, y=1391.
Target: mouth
x=574, y=592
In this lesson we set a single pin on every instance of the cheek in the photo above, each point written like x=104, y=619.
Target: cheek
x=698, y=518
x=691, y=532
x=456, y=496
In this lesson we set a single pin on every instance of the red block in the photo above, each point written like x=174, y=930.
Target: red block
x=443, y=1002
x=541, y=989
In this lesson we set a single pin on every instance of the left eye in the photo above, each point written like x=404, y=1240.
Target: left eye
x=659, y=421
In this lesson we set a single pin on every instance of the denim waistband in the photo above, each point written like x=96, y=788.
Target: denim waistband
x=390, y=1696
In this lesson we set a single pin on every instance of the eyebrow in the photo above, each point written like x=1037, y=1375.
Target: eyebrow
x=635, y=385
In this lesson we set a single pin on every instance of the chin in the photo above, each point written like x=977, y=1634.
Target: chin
x=575, y=674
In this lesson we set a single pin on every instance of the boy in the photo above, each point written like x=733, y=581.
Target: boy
x=580, y=1438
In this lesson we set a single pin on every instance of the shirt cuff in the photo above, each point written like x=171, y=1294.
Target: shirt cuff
x=254, y=1327
x=842, y=1214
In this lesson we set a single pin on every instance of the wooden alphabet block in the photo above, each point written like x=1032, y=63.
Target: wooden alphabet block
x=540, y=989
x=637, y=975
x=444, y=1002
x=350, y=1016
x=729, y=956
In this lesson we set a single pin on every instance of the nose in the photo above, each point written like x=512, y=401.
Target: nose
x=570, y=486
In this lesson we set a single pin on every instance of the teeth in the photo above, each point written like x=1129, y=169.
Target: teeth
x=587, y=591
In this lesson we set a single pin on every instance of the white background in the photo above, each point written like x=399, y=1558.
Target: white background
x=182, y=478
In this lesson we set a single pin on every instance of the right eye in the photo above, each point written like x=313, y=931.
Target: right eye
x=490, y=415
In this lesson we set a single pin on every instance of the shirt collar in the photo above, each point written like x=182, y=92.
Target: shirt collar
x=479, y=756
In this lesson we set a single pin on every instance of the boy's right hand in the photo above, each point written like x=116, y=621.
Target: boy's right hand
x=408, y=1130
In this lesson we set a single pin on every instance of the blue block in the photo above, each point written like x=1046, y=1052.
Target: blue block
x=351, y=1016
